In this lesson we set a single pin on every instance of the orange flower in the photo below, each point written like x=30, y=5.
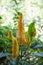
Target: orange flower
x=21, y=30
x=10, y=34
x=27, y=39
x=15, y=48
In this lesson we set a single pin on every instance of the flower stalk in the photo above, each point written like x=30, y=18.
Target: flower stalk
x=15, y=48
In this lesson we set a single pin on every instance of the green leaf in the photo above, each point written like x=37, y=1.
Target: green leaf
x=4, y=55
x=40, y=60
x=40, y=54
x=31, y=29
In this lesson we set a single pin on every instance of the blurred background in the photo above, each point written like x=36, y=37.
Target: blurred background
x=31, y=9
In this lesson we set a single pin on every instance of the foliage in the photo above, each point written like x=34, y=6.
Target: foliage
x=28, y=55
x=17, y=9
x=31, y=29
